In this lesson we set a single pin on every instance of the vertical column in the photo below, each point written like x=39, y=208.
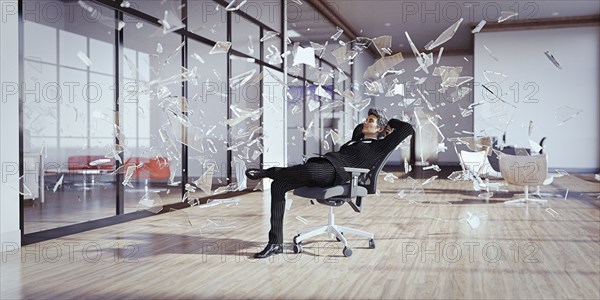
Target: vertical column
x=11, y=156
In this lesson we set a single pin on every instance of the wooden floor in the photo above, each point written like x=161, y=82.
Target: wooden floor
x=424, y=250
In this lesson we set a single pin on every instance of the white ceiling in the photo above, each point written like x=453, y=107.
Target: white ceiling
x=425, y=20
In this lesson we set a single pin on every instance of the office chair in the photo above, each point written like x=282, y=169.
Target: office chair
x=363, y=182
x=524, y=171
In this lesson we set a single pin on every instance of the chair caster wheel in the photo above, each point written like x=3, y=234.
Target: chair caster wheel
x=347, y=252
x=297, y=249
x=296, y=240
x=371, y=244
x=338, y=239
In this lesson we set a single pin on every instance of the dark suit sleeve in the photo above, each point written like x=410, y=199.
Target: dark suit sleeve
x=401, y=131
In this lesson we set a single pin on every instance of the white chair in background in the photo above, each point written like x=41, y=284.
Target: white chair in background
x=525, y=171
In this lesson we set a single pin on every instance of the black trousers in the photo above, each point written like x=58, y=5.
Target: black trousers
x=315, y=172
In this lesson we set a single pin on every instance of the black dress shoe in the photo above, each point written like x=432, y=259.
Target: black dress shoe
x=269, y=250
x=255, y=174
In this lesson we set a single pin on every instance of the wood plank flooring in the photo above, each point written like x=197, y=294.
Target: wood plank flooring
x=425, y=249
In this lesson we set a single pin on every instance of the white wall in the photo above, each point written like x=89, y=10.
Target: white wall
x=573, y=145
x=452, y=120
x=10, y=234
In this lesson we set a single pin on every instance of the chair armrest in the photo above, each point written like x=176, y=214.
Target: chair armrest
x=359, y=170
x=354, y=182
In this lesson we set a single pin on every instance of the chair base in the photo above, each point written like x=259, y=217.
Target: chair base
x=335, y=230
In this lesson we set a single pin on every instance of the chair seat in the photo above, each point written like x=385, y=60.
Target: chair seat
x=320, y=193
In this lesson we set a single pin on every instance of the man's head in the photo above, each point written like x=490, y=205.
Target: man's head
x=375, y=124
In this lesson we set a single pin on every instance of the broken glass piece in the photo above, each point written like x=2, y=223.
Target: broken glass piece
x=341, y=54
x=220, y=47
x=552, y=212
x=383, y=44
x=505, y=15
x=410, y=190
x=197, y=57
x=313, y=104
x=389, y=177
x=434, y=167
x=496, y=77
x=250, y=45
x=159, y=48
x=437, y=62
x=473, y=220
x=242, y=79
x=320, y=91
x=179, y=218
x=337, y=35
x=58, y=183
x=84, y=58
x=429, y=180
x=479, y=26
x=235, y=5
x=240, y=170
x=341, y=75
x=445, y=36
x=139, y=25
x=301, y=219
x=268, y=35
x=566, y=113
x=552, y=59
x=457, y=175
x=151, y=201
x=128, y=175
x=274, y=56
x=360, y=105
x=305, y=56
x=490, y=53
x=170, y=23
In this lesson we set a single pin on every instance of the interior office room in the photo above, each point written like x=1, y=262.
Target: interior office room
x=129, y=129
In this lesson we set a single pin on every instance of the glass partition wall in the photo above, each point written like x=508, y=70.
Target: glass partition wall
x=141, y=105
x=315, y=108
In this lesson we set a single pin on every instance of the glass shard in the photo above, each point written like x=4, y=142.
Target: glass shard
x=437, y=62
x=58, y=183
x=305, y=56
x=220, y=47
x=429, y=180
x=566, y=113
x=337, y=35
x=151, y=201
x=552, y=212
x=301, y=219
x=496, y=77
x=268, y=35
x=445, y=36
x=505, y=15
x=84, y=58
x=552, y=59
x=479, y=26
x=383, y=44
x=491, y=54
x=473, y=220
x=389, y=177
x=179, y=218
x=235, y=5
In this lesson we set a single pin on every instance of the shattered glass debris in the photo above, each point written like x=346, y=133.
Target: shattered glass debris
x=552, y=59
x=444, y=36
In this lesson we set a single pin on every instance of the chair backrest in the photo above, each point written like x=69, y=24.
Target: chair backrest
x=473, y=161
x=524, y=170
x=369, y=180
